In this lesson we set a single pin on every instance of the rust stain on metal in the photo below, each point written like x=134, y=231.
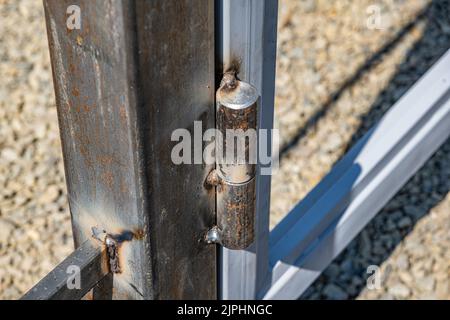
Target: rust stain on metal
x=105, y=160
x=138, y=234
x=116, y=241
x=86, y=108
x=242, y=119
x=123, y=186
x=113, y=254
x=75, y=92
x=233, y=66
x=229, y=82
x=113, y=244
x=235, y=214
x=123, y=114
x=212, y=180
x=236, y=110
x=108, y=179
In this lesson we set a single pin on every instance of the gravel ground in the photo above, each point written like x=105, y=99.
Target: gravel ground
x=35, y=232
x=349, y=76
x=335, y=79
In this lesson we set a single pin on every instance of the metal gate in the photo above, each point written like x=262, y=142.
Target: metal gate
x=145, y=227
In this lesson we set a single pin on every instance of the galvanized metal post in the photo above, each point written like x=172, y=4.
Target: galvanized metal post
x=246, y=34
x=132, y=73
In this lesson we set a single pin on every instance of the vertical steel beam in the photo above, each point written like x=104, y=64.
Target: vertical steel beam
x=134, y=72
x=246, y=34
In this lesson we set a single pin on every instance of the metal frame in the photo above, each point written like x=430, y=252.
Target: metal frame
x=116, y=117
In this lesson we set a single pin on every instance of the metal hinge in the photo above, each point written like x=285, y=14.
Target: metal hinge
x=236, y=158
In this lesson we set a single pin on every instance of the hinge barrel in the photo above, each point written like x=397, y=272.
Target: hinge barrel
x=236, y=156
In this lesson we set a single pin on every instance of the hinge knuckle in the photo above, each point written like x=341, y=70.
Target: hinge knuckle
x=236, y=157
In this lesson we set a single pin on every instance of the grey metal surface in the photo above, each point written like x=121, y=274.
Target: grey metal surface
x=136, y=71
x=246, y=32
x=334, y=212
x=87, y=259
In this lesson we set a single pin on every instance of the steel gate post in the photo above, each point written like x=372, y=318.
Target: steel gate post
x=246, y=34
x=133, y=73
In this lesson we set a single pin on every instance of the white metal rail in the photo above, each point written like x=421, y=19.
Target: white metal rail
x=322, y=224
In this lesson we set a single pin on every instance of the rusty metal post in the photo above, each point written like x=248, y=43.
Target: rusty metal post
x=128, y=75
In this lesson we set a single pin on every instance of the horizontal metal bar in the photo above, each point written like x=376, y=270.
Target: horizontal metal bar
x=322, y=224
x=73, y=277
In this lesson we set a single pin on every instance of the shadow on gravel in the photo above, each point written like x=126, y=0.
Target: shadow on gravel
x=371, y=63
x=348, y=273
